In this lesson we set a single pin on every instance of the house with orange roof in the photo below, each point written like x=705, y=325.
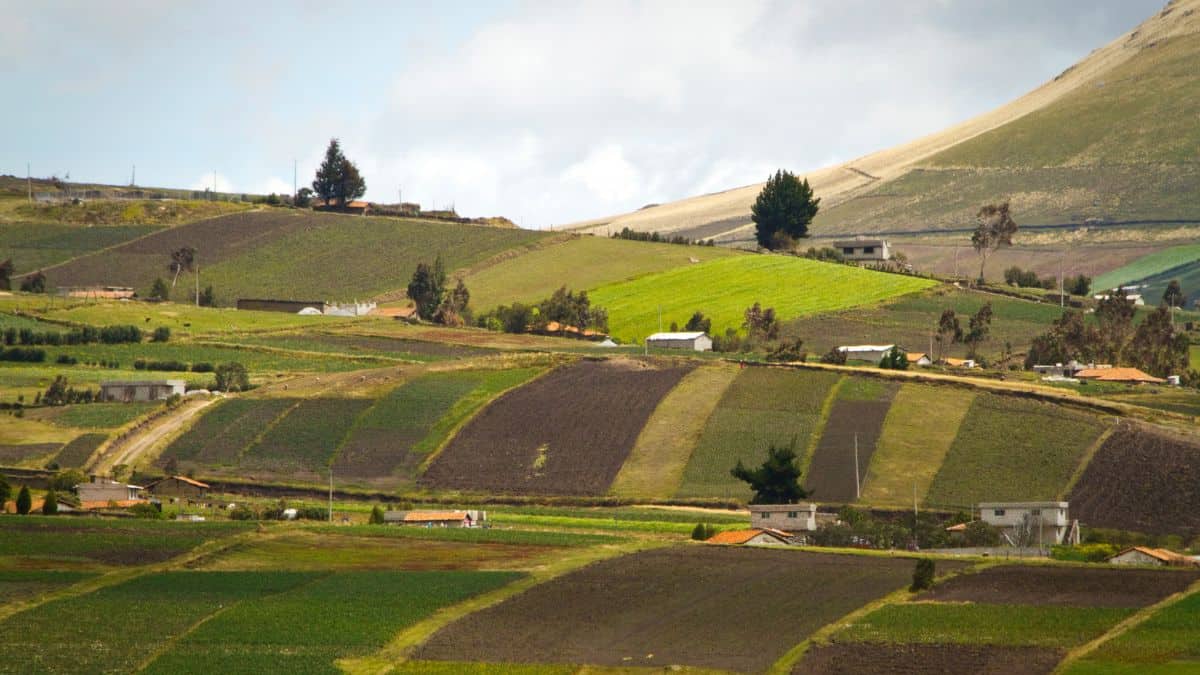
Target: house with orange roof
x=918, y=359
x=179, y=486
x=752, y=537
x=467, y=518
x=1127, y=375
x=1144, y=555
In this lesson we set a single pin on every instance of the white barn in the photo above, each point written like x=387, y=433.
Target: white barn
x=870, y=353
x=141, y=390
x=697, y=341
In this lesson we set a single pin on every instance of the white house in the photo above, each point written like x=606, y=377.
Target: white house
x=870, y=353
x=697, y=341
x=1048, y=522
x=789, y=517
x=141, y=390
x=864, y=249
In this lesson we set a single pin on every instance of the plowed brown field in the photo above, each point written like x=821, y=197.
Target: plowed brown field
x=831, y=473
x=1064, y=586
x=1142, y=480
x=566, y=433
x=898, y=659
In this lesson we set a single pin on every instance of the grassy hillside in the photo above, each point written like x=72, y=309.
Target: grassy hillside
x=32, y=246
x=724, y=288
x=581, y=263
x=293, y=254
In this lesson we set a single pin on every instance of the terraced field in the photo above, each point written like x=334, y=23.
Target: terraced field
x=724, y=288
x=849, y=439
x=32, y=246
x=305, y=439
x=1149, y=266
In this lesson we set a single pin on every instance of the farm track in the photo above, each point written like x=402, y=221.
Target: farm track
x=129, y=450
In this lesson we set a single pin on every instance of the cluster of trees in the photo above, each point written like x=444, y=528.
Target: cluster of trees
x=1154, y=345
x=32, y=283
x=634, y=235
x=338, y=180
x=61, y=393
x=566, y=307
x=231, y=376
x=23, y=354
x=110, y=335
x=1076, y=285
x=434, y=300
x=950, y=330
x=783, y=210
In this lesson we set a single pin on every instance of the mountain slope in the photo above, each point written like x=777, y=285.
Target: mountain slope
x=1129, y=108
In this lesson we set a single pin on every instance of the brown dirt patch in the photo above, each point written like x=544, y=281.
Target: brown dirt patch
x=1142, y=480
x=831, y=474
x=707, y=606
x=888, y=659
x=1066, y=586
x=566, y=433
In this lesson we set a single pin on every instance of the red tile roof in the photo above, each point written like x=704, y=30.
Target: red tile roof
x=433, y=516
x=1117, y=375
x=737, y=537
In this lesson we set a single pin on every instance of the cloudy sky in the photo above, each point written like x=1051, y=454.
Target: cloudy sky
x=545, y=112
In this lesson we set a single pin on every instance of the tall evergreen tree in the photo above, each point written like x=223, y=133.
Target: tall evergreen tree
x=1173, y=296
x=338, y=180
x=427, y=288
x=24, y=501
x=50, y=504
x=5, y=493
x=783, y=210
x=777, y=481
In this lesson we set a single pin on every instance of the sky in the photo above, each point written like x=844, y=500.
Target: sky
x=544, y=112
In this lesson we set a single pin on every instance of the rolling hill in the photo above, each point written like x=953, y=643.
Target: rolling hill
x=1113, y=137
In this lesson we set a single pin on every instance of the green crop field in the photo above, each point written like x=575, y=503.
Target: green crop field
x=982, y=624
x=762, y=406
x=116, y=542
x=21, y=584
x=1012, y=449
x=724, y=288
x=77, y=452
x=257, y=361
x=580, y=263
x=1164, y=643
x=359, y=613
x=97, y=415
x=32, y=246
x=306, y=437
x=911, y=448
x=1149, y=266
x=518, y=537
x=226, y=430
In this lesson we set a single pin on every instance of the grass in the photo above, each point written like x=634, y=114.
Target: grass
x=98, y=415
x=724, y=288
x=1149, y=266
x=1042, y=445
x=32, y=246
x=982, y=624
x=359, y=613
x=226, y=430
x=116, y=628
x=580, y=263
x=655, y=466
x=115, y=212
x=307, y=436
x=762, y=406
x=257, y=361
x=521, y=537
x=23, y=584
x=118, y=542
x=1164, y=643
x=911, y=448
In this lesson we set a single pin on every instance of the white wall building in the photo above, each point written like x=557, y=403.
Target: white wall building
x=1048, y=522
x=869, y=353
x=141, y=390
x=697, y=341
x=786, y=517
x=864, y=249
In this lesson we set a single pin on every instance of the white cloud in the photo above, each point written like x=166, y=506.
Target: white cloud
x=606, y=174
x=273, y=184
x=209, y=180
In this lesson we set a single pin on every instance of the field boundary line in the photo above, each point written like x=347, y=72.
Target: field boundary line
x=1129, y=623
x=1086, y=459
x=267, y=429
x=267, y=349
x=402, y=646
x=814, y=439
x=452, y=433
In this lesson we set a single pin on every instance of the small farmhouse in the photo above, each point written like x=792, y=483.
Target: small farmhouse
x=697, y=341
x=753, y=537
x=864, y=249
x=918, y=359
x=1143, y=555
x=100, y=491
x=178, y=486
x=436, y=518
x=126, y=391
x=959, y=363
x=790, y=517
x=1127, y=375
x=1046, y=522
x=869, y=353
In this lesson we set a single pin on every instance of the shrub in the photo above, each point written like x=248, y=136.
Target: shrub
x=1093, y=553
x=979, y=533
x=24, y=501
x=23, y=354
x=699, y=532
x=112, y=335
x=922, y=575
x=312, y=513
x=242, y=512
x=834, y=356
x=376, y=515
x=147, y=510
x=231, y=377
x=66, y=360
x=50, y=504
x=202, y=367
x=161, y=334
x=65, y=481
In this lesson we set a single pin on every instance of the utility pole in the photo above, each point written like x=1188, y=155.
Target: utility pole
x=295, y=185
x=1061, y=299
x=857, y=484
x=331, y=494
x=133, y=176
x=29, y=182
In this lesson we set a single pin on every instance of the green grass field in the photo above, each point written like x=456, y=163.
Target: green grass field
x=77, y=452
x=257, y=361
x=115, y=542
x=96, y=415
x=762, y=406
x=32, y=246
x=1012, y=449
x=306, y=437
x=226, y=430
x=581, y=263
x=1164, y=643
x=724, y=288
x=22, y=584
x=1149, y=266
x=519, y=537
x=911, y=449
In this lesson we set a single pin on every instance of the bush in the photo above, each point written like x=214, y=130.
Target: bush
x=23, y=354
x=699, y=532
x=113, y=335
x=147, y=510
x=231, y=377
x=174, y=366
x=66, y=360
x=1093, y=553
x=242, y=512
x=50, y=504
x=922, y=575
x=312, y=513
x=979, y=533
x=202, y=367
x=161, y=334
x=834, y=356
x=65, y=481
x=376, y=515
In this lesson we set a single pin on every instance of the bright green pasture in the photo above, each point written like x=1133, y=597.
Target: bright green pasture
x=580, y=263
x=1010, y=448
x=724, y=288
x=761, y=407
x=982, y=624
x=1148, y=266
x=1165, y=643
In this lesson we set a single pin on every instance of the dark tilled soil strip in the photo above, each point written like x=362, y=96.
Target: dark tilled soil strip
x=1066, y=586
x=831, y=473
x=892, y=659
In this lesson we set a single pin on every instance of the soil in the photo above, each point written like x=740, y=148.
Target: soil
x=1142, y=480
x=904, y=659
x=718, y=607
x=1065, y=586
x=831, y=473
x=17, y=453
x=566, y=433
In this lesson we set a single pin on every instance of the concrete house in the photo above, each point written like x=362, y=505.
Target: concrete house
x=869, y=353
x=1143, y=555
x=918, y=359
x=862, y=249
x=435, y=518
x=179, y=486
x=99, y=491
x=696, y=341
x=788, y=517
x=752, y=537
x=1049, y=521
x=125, y=391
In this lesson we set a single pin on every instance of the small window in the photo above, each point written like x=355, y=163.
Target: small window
x=848, y=250
x=998, y=512
x=766, y=514
x=868, y=250
x=1035, y=512
x=793, y=514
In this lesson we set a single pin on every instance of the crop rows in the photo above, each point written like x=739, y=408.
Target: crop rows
x=77, y=452
x=220, y=436
x=307, y=436
x=105, y=541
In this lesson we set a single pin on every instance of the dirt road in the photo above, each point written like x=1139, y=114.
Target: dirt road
x=128, y=450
